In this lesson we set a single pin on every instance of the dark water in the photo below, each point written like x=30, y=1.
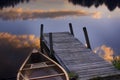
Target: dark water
x=20, y=27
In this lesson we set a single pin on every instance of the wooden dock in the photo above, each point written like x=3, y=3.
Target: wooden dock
x=75, y=57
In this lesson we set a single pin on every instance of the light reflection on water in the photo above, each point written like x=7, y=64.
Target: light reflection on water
x=103, y=26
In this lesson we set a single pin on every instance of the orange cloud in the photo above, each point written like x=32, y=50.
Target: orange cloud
x=97, y=15
x=105, y=52
x=19, y=41
x=19, y=13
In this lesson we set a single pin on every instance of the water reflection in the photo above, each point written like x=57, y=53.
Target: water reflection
x=14, y=49
x=10, y=3
x=111, y=4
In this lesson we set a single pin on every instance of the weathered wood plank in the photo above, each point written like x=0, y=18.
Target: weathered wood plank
x=77, y=61
x=59, y=34
x=81, y=68
x=98, y=72
x=90, y=65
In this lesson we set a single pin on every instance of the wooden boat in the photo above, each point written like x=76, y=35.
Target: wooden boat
x=39, y=66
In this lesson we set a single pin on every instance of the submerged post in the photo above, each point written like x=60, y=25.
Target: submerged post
x=41, y=38
x=86, y=37
x=51, y=44
x=71, y=29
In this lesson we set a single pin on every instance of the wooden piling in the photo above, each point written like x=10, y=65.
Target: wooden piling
x=41, y=38
x=86, y=37
x=71, y=29
x=51, y=45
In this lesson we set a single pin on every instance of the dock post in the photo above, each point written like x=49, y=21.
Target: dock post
x=86, y=37
x=71, y=29
x=51, y=45
x=41, y=38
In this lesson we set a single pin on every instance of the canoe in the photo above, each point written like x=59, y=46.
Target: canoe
x=39, y=66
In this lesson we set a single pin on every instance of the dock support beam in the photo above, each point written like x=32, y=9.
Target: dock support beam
x=51, y=45
x=86, y=37
x=41, y=38
x=71, y=29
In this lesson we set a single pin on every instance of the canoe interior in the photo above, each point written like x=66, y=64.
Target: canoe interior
x=38, y=67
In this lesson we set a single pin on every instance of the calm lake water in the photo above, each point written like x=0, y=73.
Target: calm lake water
x=20, y=27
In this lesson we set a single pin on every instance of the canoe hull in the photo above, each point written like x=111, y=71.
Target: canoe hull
x=39, y=66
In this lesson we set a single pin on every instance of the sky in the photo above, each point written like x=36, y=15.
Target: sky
x=20, y=27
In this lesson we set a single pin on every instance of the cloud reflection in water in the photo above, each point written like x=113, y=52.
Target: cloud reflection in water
x=13, y=51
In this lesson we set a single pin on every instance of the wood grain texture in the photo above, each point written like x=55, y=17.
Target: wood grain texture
x=79, y=59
